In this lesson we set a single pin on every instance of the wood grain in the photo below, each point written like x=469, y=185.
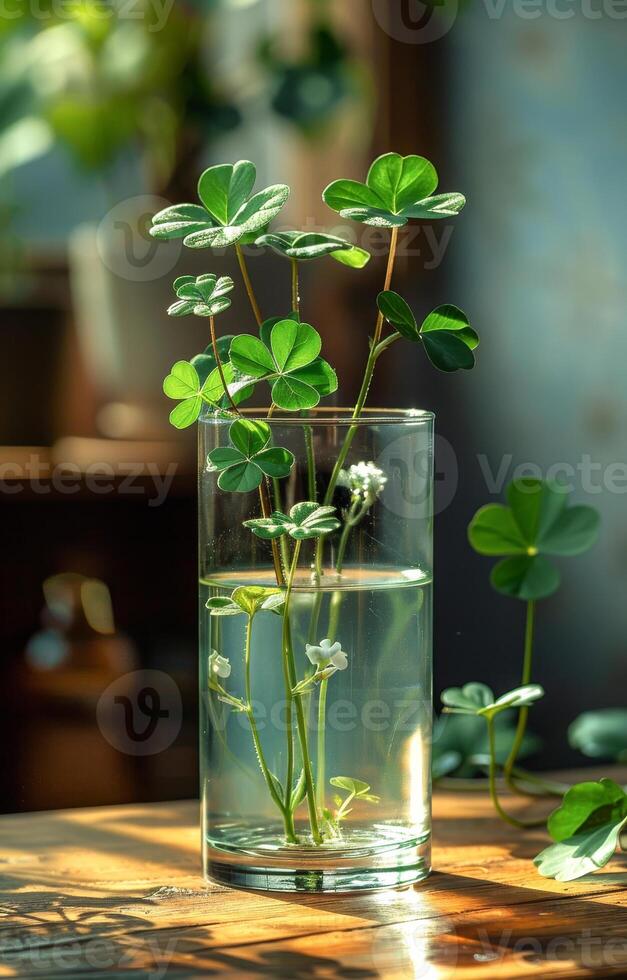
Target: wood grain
x=116, y=890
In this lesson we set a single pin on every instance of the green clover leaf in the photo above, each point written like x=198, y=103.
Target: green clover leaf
x=306, y=520
x=446, y=334
x=538, y=522
x=184, y=384
x=397, y=189
x=586, y=829
x=243, y=464
x=229, y=214
x=601, y=734
x=478, y=699
x=305, y=246
x=298, y=377
x=249, y=599
x=202, y=295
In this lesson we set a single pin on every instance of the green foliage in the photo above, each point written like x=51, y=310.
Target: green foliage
x=228, y=213
x=601, y=734
x=586, y=829
x=202, y=295
x=298, y=377
x=305, y=246
x=446, y=334
x=183, y=384
x=478, y=699
x=537, y=522
x=397, y=189
x=243, y=464
x=355, y=787
x=461, y=745
x=306, y=520
x=246, y=599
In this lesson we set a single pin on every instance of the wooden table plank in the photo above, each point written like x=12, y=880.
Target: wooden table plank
x=114, y=890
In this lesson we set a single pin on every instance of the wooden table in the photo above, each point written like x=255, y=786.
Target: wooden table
x=100, y=892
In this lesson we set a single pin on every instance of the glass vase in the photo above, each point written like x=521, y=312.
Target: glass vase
x=316, y=710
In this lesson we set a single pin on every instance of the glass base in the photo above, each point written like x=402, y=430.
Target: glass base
x=365, y=859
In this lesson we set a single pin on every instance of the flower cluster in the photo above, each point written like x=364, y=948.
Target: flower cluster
x=365, y=481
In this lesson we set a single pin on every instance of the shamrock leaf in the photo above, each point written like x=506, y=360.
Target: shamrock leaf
x=397, y=189
x=246, y=599
x=184, y=384
x=242, y=465
x=601, y=734
x=311, y=245
x=205, y=363
x=538, y=522
x=202, y=296
x=306, y=520
x=478, y=699
x=229, y=214
x=297, y=376
x=586, y=829
x=355, y=787
x=448, y=338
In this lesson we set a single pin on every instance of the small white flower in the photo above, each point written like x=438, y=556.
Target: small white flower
x=218, y=665
x=365, y=480
x=326, y=652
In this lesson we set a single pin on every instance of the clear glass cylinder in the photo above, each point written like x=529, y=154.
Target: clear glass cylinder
x=316, y=704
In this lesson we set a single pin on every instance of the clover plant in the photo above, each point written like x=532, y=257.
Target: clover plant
x=536, y=525
x=285, y=354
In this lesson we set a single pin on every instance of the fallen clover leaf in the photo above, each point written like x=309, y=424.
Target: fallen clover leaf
x=537, y=522
x=586, y=829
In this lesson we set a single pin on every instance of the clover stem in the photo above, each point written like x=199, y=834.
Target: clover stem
x=288, y=654
x=287, y=816
x=512, y=821
x=214, y=344
x=248, y=284
x=295, y=289
x=266, y=510
x=523, y=714
x=311, y=462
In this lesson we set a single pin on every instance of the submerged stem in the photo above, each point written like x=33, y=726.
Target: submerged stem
x=288, y=654
x=287, y=816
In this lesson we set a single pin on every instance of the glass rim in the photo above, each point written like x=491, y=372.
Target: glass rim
x=330, y=415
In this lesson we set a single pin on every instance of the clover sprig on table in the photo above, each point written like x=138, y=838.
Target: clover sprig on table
x=536, y=522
